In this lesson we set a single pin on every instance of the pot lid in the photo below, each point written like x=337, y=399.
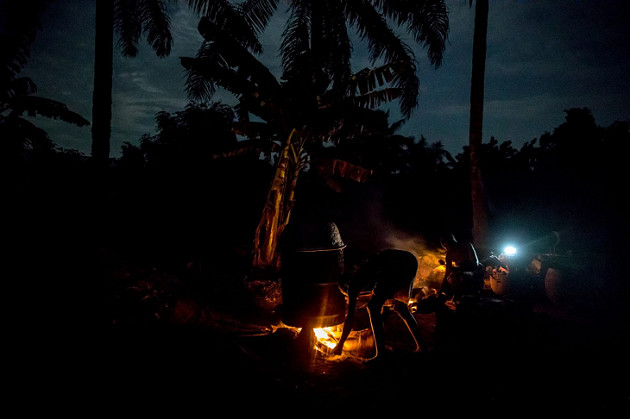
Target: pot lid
x=313, y=237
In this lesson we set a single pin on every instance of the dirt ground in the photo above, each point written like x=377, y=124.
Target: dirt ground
x=232, y=356
x=493, y=357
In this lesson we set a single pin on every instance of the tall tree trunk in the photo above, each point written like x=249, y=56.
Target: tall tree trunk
x=479, y=205
x=103, y=71
x=101, y=118
x=277, y=210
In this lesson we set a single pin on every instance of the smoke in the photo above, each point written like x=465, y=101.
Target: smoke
x=428, y=257
x=366, y=229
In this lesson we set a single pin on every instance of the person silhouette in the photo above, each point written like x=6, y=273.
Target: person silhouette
x=464, y=273
x=389, y=276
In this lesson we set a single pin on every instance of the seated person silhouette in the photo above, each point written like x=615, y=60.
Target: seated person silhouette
x=389, y=275
x=464, y=272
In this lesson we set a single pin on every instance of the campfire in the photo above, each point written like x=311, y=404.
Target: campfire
x=324, y=337
x=312, y=297
x=327, y=336
x=360, y=343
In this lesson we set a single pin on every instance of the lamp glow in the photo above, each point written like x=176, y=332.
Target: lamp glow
x=509, y=250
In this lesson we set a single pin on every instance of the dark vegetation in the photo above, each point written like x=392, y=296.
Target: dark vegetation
x=177, y=204
x=169, y=249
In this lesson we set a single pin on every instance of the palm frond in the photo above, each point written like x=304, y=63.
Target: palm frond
x=396, y=10
x=258, y=13
x=204, y=74
x=370, y=78
x=426, y=20
x=231, y=68
x=210, y=7
x=133, y=18
x=14, y=54
x=395, y=126
x=198, y=86
x=336, y=44
x=415, y=13
x=19, y=23
x=430, y=26
x=400, y=75
x=295, y=37
x=241, y=112
x=221, y=18
x=128, y=25
x=22, y=86
x=329, y=168
x=157, y=26
x=376, y=98
x=236, y=55
x=18, y=134
x=34, y=105
x=408, y=82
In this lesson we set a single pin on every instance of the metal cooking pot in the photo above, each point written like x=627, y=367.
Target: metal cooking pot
x=312, y=264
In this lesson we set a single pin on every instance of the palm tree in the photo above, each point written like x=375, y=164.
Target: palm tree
x=322, y=94
x=479, y=205
x=298, y=115
x=132, y=19
x=17, y=94
x=321, y=28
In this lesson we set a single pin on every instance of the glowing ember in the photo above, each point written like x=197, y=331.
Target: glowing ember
x=360, y=343
x=328, y=336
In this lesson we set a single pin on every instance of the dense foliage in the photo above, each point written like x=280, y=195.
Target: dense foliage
x=182, y=181
x=178, y=201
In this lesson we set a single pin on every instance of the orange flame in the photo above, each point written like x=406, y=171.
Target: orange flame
x=328, y=336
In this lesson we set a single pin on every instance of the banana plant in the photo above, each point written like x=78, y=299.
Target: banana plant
x=297, y=115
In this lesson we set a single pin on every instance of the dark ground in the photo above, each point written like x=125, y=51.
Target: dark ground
x=491, y=357
x=547, y=365
x=150, y=347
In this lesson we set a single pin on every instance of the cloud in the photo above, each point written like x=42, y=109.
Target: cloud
x=139, y=81
x=519, y=108
x=184, y=28
x=133, y=113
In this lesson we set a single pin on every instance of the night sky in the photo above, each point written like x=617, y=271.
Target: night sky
x=544, y=56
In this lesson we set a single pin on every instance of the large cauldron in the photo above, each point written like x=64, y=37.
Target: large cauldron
x=312, y=265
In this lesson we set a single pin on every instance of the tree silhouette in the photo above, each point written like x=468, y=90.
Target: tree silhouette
x=319, y=98
x=298, y=115
x=565, y=181
x=183, y=141
x=178, y=189
x=20, y=23
x=132, y=19
x=321, y=29
x=479, y=205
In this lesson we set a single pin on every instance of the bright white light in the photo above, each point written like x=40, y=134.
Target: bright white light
x=509, y=250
